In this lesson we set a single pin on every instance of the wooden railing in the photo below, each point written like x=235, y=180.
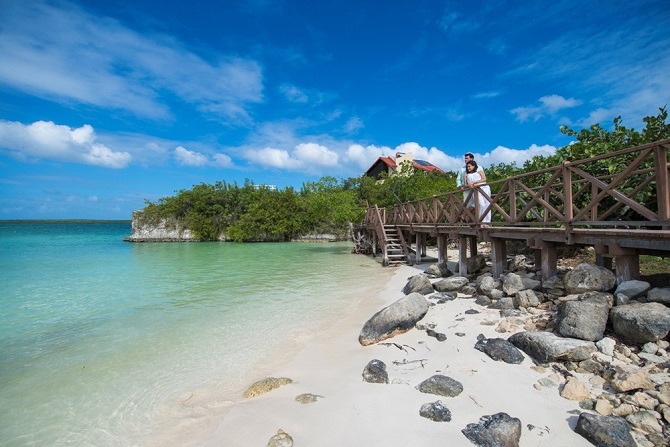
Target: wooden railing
x=631, y=184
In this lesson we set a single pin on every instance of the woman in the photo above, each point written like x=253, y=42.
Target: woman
x=475, y=177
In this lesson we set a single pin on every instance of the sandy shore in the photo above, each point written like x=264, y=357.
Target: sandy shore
x=356, y=413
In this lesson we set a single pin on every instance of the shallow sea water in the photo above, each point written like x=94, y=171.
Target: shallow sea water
x=104, y=342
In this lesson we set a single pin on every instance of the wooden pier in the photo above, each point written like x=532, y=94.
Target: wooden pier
x=579, y=203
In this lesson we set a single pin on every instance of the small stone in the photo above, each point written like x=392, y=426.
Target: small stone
x=547, y=383
x=435, y=411
x=441, y=385
x=650, y=348
x=307, y=398
x=606, y=346
x=265, y=386
x=623, y=410
x=604, y=407
x=281, y=439
x=642, y=400
x=375, y=372
x=628, y=380
x=645, y=420
x=575, y=390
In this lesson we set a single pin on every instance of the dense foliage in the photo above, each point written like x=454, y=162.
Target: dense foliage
x=258, y=213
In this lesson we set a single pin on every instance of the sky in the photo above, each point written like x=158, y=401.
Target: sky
x=106, y=105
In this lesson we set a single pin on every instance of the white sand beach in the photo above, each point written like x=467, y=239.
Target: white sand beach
x=356, y=413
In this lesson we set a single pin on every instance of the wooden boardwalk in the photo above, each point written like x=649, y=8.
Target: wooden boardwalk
x=579, y=203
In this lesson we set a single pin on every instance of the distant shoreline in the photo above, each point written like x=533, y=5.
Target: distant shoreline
x=77, y=221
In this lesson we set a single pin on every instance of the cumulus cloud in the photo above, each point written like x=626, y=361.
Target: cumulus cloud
x=364, y=156
x=47, y=140
x=549, y=105
x=186, y=157
x=309, y=157
x=272, y=157
x=62, y=53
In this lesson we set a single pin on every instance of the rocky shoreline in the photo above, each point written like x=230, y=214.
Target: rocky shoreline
x=600, y=345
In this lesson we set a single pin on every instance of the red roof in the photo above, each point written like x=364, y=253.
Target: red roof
x=390, y=162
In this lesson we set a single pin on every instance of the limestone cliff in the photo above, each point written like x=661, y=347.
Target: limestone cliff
x=165, y=230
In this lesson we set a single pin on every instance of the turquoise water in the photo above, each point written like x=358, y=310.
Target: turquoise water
x=103, y=342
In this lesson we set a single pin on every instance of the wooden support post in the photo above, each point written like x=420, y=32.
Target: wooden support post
x=548, y=260
x=424, y=243
x=418, y=248
x=499, y=255
x=627, y=268
x=462, y=255
x=374, y=243
x=442, y=248
x=473, y=245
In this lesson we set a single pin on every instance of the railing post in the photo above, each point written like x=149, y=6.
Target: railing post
x=567, y=193
x=512, y=201
x=662, y=182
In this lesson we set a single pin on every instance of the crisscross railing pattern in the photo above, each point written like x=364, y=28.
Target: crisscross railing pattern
x=589, y=192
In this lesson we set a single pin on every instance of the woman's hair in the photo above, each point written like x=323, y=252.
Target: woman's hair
x=472, y=163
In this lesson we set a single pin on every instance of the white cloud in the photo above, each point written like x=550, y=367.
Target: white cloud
x=554, y=103
x=272, y=157
x=189, y=158
x=314, y=154
x=354, y=124
x=65, y=54
x=549, y=105
x=45, y=139
x=363, y=157
x=186, y=157
x=309, y=157
x=294, y=94
x=222, y=161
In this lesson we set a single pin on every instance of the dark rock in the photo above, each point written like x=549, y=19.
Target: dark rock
x=443, y=297
x=659, y=295
x=498, y=430
x=468, y=290
x=585, y=320
x=547, y=346
x=526, y=298
x=641, y=322
x=471, y=312
x=500, y=349
x=603, y=297
x=418, y=284
x=459, y=334
x=632, y=289
x=394, y=319
x=483, y=300
x=440, y=336
x=435, y=411
x=375, y=372
x=512, y=284
x=605, y=431
x=503, y=303
x=451, y=284
x=486, y=284
x=441, y=385
x=591, y=367
x=438, y=270
x=586, y=277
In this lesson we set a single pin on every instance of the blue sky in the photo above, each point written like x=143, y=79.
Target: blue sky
x=105, y=104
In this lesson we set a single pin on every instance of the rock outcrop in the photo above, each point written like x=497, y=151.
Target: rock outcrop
x=394, y=319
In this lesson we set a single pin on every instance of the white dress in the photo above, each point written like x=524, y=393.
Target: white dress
x=483, y=201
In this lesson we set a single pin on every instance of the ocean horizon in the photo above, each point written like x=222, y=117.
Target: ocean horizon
x=107, y=342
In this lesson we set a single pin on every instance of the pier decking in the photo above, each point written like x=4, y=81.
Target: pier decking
x=579, y=203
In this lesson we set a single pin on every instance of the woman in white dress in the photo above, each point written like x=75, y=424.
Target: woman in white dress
x=475, y=178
